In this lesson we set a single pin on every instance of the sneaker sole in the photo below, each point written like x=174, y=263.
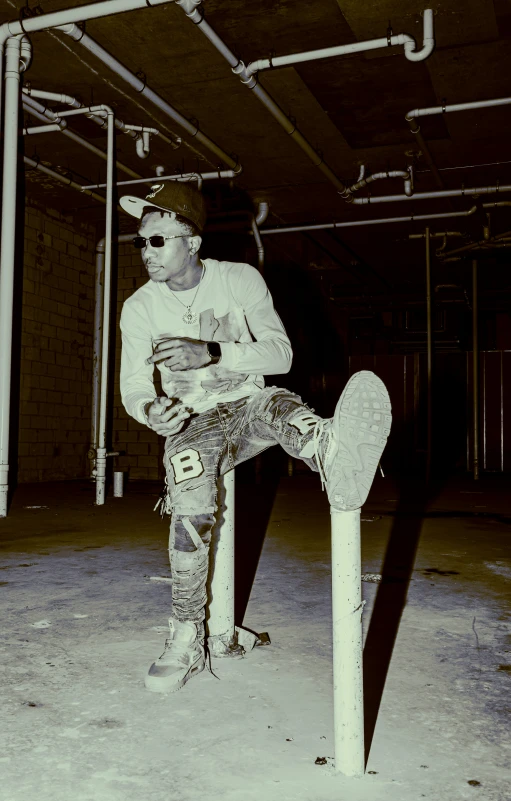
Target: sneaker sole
x=361, y=425
x=164, y=684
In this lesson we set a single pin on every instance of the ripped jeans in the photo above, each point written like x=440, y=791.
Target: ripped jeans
x=213, y=443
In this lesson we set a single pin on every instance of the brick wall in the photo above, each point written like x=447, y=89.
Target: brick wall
x=143, y=459
x=56, y=347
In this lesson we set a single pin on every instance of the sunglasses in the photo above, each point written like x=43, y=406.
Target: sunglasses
x=157, y=241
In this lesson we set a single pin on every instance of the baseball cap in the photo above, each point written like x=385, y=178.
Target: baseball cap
x=181, y=198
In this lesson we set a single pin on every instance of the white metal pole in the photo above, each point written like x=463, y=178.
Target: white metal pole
x=347, y=644
x=97, y=348
x=8, y=229
x=475, y=369
x=220, y=617
x=101, y=451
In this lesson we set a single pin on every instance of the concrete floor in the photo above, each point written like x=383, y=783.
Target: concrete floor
x=82, y=620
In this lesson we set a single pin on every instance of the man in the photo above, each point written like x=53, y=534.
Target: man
x=211, y=329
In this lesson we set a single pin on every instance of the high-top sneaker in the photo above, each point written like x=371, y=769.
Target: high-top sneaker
x=182, y=658
x=348, y=447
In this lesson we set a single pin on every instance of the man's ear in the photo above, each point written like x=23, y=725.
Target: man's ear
x=195, y=243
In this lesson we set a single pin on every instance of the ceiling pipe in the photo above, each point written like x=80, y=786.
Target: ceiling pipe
x=412, y=116
x=36, y=165
x=378, y=176
x=37, y=109
x=186, y=176
x=190, y=7
x=441, y=193
x=402, y=39
x=37, y=129
x=259, y=244
x=147, y=133
x=437, y=235
x=263, y=209
x=290, y=229
x=25, y=53
x=494, y=240
x=40, y=22
x=99, y=119
x=141, y=87
x=68, y=18
x=424, y=149
x=433, y=110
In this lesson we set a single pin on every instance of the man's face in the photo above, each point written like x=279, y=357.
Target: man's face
x=164, y=263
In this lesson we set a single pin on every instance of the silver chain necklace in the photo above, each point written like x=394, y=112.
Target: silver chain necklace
x=190, y=317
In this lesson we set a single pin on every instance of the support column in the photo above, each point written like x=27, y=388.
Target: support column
x=475, y=369
x=8, y=229
x=429, y=321
x=220, y=614
x=97, y=345
x=347, y=644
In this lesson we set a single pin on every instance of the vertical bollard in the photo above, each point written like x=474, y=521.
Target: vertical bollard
x=221, y=586
x=347, y=644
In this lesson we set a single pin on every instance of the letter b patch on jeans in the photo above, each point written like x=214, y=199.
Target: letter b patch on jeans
x=186, y=464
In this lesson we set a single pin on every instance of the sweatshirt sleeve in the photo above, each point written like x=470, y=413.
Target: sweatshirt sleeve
x=137, y=386
x=271, y=353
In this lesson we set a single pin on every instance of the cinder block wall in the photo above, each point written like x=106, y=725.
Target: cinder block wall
x=144, y=448
x=56, y=347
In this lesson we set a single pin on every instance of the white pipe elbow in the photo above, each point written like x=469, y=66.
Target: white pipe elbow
x=71, y=29
x=25, y=54
x=428, y=42
x=409, y=182
x=190, y=8
x=142, y=153
x=262, y=212
x=260, y=64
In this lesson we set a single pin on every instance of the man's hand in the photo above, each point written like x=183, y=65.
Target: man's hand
x=181, y=354
x=166, y=416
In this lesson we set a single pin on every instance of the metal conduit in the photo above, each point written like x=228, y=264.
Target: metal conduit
x=475, y=369
x=291, y=229
x=44, y=113
x=190, y=7
x=429, y=323
x=141, y=87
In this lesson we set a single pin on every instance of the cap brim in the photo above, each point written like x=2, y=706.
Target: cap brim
x=135, y=205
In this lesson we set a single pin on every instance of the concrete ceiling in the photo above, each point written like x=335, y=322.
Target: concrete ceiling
x=350, y=108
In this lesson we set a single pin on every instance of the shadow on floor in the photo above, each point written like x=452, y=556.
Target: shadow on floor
x=254, y=504
x=391, y=597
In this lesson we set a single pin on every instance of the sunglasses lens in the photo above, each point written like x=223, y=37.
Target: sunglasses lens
x=157, y=241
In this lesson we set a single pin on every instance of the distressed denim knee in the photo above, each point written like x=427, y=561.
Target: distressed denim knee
x=186, y=527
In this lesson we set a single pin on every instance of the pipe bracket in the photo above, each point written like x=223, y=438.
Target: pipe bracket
x=142, y=77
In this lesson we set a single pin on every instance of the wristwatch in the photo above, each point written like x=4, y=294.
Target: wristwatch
x=214, y=352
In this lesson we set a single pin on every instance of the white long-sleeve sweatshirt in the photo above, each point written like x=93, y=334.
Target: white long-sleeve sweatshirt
x=233, y=307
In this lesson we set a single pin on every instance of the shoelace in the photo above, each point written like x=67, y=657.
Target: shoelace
x=175, y=649
x=319, y=431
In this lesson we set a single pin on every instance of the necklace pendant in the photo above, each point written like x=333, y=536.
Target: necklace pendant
x=189, y=317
